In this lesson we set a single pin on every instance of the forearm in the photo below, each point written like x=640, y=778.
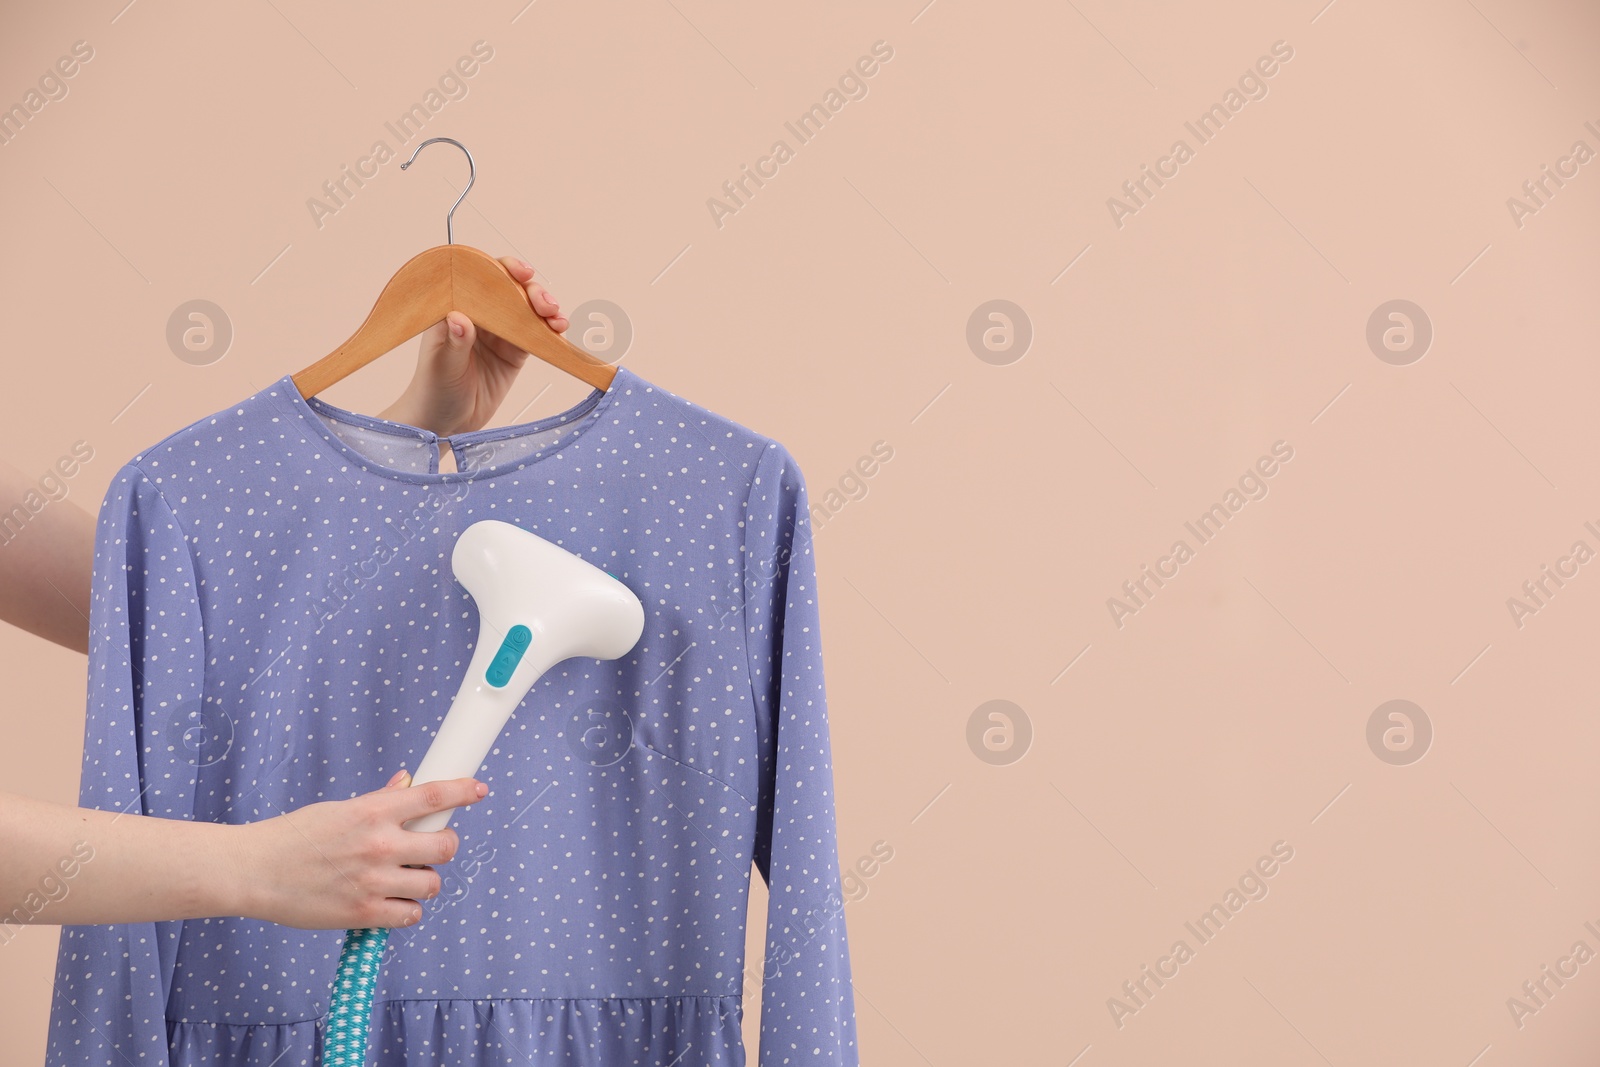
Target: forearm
x=45, y=562
x=80, y=866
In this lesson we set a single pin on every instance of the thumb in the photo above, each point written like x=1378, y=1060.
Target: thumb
x=456, y=342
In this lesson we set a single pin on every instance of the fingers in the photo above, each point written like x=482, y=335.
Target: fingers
x=518, y=269
x=390, y=914
x=425, y=848
x=543, y=303
x=406, y=883
x=459, y=333
x=397, y=784
x=430, y=797
x=384, y=869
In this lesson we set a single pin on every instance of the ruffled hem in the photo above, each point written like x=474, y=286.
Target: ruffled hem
x=602, y=1032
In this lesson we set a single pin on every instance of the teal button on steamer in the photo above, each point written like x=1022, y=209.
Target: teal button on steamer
x=523, y=585
x=505, y=661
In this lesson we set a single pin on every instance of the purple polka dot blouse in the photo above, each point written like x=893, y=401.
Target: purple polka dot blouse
x=275, y=623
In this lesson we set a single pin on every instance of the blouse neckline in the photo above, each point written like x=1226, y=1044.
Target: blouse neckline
x=313, y=410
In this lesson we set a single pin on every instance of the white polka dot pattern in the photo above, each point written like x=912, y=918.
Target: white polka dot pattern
x=275, y=623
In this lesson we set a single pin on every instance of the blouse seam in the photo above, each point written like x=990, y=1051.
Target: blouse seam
x=460, y=1000
x=194, y=577
x=188, y=549
x=552, y=1000
x=744, y=594
x=188, y=552
x=592, y=407
x=200, y=625
x=704, y=774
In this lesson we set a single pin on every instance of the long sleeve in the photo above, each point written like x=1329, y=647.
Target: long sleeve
x=807, y=1003
x=145, y=736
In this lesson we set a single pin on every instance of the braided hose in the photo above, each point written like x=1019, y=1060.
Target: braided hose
x=350, y=1014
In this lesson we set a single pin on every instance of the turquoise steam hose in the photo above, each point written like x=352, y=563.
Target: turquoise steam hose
x=345, y=1042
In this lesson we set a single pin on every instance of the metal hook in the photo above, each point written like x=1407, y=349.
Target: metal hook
x=472, y=175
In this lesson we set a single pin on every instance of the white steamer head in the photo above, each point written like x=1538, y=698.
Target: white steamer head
x=538, y=604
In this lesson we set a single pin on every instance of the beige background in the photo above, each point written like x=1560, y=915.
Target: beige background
x=831, y=311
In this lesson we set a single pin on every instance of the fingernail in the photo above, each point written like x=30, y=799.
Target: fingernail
x=524, y=264
x=482, y=790
x=458, y=330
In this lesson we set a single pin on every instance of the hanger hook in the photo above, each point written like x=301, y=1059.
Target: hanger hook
x=472, y=175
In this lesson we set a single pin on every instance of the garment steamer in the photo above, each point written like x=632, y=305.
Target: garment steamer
x=538, y=605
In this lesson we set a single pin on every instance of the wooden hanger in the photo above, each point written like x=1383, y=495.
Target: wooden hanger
x=446, y=278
